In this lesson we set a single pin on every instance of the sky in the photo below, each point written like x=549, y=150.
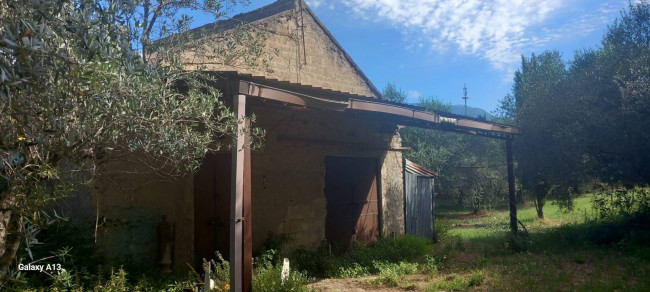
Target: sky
x=435, y=47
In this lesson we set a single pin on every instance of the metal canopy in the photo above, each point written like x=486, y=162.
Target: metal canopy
x=299, y=95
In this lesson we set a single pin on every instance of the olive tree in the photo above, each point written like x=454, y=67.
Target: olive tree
x=76, y=91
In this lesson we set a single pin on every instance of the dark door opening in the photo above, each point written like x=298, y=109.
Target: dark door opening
x=212, y=207
x=352, y=200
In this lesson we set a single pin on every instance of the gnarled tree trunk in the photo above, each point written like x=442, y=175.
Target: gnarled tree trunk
x=9, y=231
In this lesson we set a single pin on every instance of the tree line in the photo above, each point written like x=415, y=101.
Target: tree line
x=585, y=123
x=585, y=119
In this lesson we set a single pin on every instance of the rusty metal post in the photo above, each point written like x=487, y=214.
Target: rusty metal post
x=237, y=199
x=511, y=186
x=248, y=220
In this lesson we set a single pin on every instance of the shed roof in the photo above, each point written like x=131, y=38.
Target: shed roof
x=412, y=167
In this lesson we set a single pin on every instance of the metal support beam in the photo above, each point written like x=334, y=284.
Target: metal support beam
x=248, y=211
x=511, y=187
x=239, y=184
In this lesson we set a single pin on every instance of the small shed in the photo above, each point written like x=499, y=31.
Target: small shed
x=419, y=199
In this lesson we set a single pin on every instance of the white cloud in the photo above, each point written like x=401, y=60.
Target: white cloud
x=498, y=31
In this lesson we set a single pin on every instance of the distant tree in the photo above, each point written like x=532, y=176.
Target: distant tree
x=549, y=161
x=470, y=168
x=391, y=93
x=506, y=110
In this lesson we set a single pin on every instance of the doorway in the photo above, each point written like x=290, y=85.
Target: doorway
x=212, y=207
x=352, y=200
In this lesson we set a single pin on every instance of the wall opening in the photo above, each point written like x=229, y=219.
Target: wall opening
x=212, y=207
x=352, y=200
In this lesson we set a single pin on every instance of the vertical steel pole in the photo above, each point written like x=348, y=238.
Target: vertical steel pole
x=237, y=199
x=511, y=187
x=248, y=218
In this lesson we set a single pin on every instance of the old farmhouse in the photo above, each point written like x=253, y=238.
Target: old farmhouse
x=331, y=168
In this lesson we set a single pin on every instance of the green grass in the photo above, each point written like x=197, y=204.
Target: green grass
x=566, y=251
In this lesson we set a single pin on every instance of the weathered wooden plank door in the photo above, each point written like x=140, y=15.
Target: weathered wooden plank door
x=352, y=200
x=419, y=205
x=212, y=206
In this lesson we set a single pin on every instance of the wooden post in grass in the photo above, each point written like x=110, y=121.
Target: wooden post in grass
x=511, y=186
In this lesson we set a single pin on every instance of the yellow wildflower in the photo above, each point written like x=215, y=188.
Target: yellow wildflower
x=21, y=138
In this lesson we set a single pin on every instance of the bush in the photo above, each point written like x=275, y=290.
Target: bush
x=625, y=215
x=391, y=274
x=441, y=229
x=622, y=203
x=219, y=271
x=267, y=276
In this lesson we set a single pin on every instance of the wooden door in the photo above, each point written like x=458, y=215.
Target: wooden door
x=352, y=200
x=212, y=207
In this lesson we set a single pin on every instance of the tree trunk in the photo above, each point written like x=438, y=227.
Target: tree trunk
x=9, y=233
x=539, y=206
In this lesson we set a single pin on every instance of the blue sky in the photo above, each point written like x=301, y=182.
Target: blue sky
x=433, y=47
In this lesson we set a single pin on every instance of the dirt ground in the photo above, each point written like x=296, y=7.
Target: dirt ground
x=348, y=285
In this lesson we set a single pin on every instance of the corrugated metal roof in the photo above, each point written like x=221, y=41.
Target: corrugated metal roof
x=420, y=170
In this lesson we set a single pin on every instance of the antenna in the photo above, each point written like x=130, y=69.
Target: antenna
x=465, y=97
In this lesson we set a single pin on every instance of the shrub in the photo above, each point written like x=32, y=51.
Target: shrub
x=267, y=276
x=441, y=230
x=622, y=203
x=219, y=270
x=430, y=264
x=352, y=272
x=476, y=278
x=391, y=274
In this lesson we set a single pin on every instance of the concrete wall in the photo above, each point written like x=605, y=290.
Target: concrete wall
x=317, y=61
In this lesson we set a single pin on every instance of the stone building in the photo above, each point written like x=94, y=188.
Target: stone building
x=331, y=168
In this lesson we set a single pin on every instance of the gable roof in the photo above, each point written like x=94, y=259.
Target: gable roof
x=281, y=7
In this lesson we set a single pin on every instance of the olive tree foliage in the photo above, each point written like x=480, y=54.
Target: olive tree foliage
x=587, y=118
x=76, y=93
x=541, y=109
x=471, y=169
x=392, y=93
x=625, y=55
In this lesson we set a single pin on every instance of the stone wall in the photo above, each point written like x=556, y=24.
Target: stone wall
x=130, y=206
x=288, y=175
x=317, y=61
x=288, y=187
x=392, y=188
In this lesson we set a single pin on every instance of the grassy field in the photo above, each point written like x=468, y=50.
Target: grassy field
x=562, y=253
x=567, y=251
